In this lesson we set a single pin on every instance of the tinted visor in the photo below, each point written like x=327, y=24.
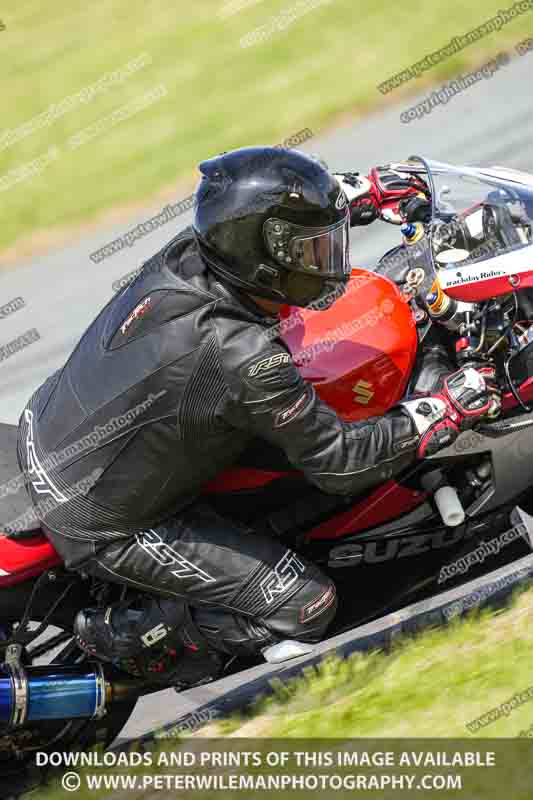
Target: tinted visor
x=315, y=251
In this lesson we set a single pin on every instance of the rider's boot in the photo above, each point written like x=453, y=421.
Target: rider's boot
x=150, y=637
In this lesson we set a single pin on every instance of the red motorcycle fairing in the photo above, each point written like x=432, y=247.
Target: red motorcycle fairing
x=478, y=282
x=241, y=478
x=21, y=559
x=385, y=503
x=360, y=352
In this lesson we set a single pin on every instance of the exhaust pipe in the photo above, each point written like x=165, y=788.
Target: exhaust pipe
x=79, y=691
x=35, y=694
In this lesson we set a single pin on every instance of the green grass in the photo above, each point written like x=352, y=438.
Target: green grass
x=219, y=95
x=430, y=686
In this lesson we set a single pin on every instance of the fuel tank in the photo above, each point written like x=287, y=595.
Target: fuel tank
x=359, y=353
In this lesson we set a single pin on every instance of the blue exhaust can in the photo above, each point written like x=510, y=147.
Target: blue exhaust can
x=6, y=699
x=44, y=693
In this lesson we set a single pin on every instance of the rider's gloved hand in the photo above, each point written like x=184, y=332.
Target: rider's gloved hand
x=379, y=194
x=465, y=398
x=362, y=197
x=495, y=392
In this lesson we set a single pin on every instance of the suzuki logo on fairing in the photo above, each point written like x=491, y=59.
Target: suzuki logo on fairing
x=42, y=484
x=379, y=551
x=152, y=543
x=363, y=392
x=282, y=577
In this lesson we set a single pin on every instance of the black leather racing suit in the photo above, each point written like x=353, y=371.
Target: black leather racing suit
x=166, y=388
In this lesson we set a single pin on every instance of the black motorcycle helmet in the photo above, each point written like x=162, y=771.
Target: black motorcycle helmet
x=274, y=223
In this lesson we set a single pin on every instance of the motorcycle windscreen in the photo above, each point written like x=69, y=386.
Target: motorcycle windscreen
x=480, y=214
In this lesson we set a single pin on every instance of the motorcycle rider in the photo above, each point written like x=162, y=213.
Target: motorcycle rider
x=174, y=378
